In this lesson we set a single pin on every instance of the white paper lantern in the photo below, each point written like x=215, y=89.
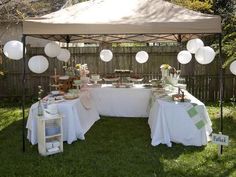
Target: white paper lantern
x=64, y=55
x=141, y=57
x=38, y=64
x=232, y=67
x=13, y=50
x=194, y=44
x=205, y=55
x=106, y=55
x=184, y=57
x=52, y=49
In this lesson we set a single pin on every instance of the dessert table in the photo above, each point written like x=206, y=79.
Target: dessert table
x=76, y=120
x=170, y=121
x=121, y=102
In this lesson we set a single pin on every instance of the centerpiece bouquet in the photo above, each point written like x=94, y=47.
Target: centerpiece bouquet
x=164, y=71
x=40, y=108
x=169, y=74
x=83, y=71
x=69, y=71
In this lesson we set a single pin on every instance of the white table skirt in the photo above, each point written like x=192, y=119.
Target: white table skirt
x=76, y=121
x=170, y=122
x=122, y=102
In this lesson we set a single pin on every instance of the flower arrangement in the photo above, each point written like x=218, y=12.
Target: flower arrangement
x=77, y=70
x=69, y=70
x=165, y=66
x=83, y=69
x=169, y=74
x=40, y=92
x=40, y=108
x=164, y=71
x=2, y=73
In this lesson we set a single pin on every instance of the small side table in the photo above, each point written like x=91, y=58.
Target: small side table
x=50, y=135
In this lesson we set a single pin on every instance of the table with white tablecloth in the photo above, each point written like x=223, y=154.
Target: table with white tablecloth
x=122, y=102
x=169, y=122
x=76, y=120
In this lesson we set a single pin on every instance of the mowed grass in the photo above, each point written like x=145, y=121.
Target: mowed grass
x=116, y=147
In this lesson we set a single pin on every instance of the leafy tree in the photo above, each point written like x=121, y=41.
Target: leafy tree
x=226, y=9
x=197, y=5
x=14, y=11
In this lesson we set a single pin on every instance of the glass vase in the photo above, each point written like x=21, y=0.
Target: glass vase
x=40, y=108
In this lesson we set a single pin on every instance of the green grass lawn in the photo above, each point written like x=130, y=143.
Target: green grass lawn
x=116, y=147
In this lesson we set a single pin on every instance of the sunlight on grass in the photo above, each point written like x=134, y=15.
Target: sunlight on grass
x=8, y=116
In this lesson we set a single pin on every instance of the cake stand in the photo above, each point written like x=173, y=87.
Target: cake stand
x=115, y=79
x=134, y=79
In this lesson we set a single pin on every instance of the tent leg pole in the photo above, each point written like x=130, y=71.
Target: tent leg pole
x=221, y=88
x=67, y=47
x=23, y=95
x=179, y=41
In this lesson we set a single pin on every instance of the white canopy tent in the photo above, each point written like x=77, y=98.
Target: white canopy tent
x=112, y=21
x=121, y=21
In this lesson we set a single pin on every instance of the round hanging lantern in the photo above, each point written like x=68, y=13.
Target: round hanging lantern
x=141, y=57
x=13, y=50
x=194, y=44
x=232, y=67
x=52, y=49
x=38, y=64
x=205, y=55
x=184, y=57
x=106, y=55
x=64, y=55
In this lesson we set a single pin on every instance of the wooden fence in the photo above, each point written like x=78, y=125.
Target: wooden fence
x=202, y=81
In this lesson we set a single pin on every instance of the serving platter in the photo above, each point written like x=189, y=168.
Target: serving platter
x=134, y=79
x=111, y=79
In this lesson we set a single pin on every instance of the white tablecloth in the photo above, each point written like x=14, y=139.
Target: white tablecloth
x=76, y=121
x=170, y=122
x=122, y=102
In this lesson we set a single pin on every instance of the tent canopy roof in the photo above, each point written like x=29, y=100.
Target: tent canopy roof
x=121, y=21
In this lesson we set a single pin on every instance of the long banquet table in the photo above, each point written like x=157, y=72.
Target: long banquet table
x=169, y=122
x=122, y=102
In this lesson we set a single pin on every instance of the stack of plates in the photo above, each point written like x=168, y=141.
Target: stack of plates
x=52, y=130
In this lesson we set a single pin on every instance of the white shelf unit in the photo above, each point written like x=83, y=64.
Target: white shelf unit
x=43, y=139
